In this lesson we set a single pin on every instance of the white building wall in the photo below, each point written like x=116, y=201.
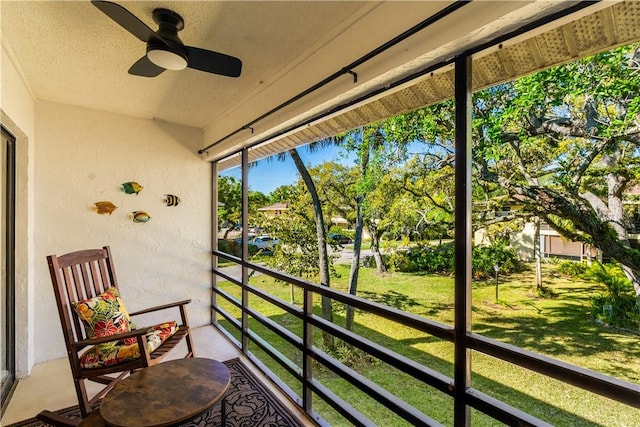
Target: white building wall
x=523, y=242
x=83, y=156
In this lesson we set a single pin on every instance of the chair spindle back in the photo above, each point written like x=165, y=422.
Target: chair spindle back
x=78, y=276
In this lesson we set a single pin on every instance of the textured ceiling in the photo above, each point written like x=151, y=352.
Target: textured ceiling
x=70, y=52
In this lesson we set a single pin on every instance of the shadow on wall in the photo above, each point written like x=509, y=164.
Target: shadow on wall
x=191, y=138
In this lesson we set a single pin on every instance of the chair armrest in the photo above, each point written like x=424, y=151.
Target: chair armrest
x=161, y=307
x=116, y=337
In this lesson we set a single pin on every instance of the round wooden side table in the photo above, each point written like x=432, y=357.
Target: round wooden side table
x=166, y=394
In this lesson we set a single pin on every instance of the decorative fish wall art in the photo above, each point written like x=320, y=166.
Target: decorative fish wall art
x=171, y=200
x=105, y=207
x=132, y=187
x=140, y=217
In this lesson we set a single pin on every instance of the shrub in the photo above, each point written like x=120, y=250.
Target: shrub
x=426, y=258
x=342, y=231
x=234, y=248
x=440, y=259
x=621, y=312
x=336, y=229
x=485, y=257
x=229, y=247
x=618, y=305
x=571, y=268
x=349, y=355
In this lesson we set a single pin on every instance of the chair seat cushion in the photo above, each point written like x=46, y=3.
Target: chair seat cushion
x=112, y=353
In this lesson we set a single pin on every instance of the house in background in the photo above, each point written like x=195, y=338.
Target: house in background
x=522, y=237
x=340, y=222
x=551, y=243
x=274, y=210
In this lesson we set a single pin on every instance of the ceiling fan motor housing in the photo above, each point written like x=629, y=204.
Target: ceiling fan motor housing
x=167, y=50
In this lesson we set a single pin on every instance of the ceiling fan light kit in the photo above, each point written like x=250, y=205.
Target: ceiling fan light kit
x=165, y=50
x=166, y=59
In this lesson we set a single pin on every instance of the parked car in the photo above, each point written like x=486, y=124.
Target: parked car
x=250, y=238
x=340, y=239
x=253, y=229
x=264, y=242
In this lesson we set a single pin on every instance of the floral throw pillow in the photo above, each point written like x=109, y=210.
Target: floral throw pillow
x=105, y=315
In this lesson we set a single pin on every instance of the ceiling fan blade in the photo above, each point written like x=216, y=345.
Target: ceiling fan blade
x=125, y=19
x=213, y=62
x=145, y=68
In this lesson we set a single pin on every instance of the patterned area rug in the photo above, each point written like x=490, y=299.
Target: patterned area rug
x=248, y=404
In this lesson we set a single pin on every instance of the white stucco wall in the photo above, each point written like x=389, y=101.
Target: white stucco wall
x=83, y=156
x=18, y=117
x=523, y=242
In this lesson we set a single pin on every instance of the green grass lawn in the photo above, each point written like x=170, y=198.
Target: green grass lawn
x=558, y=325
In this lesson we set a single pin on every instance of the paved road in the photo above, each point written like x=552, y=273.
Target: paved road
x=236, y=271
x=346, y=256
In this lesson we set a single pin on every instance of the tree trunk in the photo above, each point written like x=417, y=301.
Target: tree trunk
x=375, y=249
x=355, y=265
x=536, y=252
x=323, y=256
x=292, y=295
x=633, y=277
x=616, y=184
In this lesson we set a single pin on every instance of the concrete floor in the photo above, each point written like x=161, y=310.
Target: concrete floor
x=50, y=385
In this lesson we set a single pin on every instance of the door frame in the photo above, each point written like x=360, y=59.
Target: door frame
x=9, y=226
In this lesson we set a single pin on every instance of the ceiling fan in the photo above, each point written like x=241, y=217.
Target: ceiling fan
x=165, y=50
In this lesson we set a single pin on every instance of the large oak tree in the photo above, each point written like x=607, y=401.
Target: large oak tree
x=564, y=141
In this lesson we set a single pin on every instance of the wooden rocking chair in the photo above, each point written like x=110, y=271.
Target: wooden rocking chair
x=84, y=283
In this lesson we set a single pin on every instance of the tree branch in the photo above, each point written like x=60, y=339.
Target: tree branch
x=600, y=207
x=427, y=195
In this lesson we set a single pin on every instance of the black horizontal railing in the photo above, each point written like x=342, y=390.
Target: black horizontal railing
x=595, y=382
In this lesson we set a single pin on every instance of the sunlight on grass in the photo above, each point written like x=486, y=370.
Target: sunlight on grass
x=558, y=325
